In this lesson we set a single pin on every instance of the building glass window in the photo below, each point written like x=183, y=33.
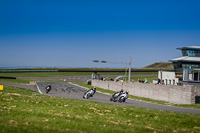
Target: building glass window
x=196, y=75
x=191, y=53
x=184, y=53
x=199, y=75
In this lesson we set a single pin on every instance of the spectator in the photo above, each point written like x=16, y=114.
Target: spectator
x=122, y=81
x=146, y=81
x=140, y=81
x=158, y=81
x=111, y=79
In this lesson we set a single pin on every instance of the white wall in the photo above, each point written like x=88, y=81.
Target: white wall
x=168, y=76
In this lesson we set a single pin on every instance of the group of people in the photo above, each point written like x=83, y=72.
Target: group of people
x=143, y=81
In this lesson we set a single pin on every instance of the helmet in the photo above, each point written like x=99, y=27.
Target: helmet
x=127, y=92
x=94, y=88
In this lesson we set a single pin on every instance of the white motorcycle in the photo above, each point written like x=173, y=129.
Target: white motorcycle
x=89, y=93
x=123, y=97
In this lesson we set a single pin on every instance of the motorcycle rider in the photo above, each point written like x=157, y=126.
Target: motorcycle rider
x=93, y=91
x=119, y=93
x=48, y=88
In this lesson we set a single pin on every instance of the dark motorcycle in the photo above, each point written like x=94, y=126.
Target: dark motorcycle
x=48, y=88
x=115, y=96
x=119, y=96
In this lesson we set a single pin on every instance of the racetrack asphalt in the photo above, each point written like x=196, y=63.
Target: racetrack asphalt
x=66, y=90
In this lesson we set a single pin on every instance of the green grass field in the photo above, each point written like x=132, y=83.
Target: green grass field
x=60, y=74
x=134, y=75
x=24, y=110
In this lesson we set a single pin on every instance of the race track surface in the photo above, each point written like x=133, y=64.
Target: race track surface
x=63, y=89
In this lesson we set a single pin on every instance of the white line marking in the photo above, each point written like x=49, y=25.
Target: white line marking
x=38, y=88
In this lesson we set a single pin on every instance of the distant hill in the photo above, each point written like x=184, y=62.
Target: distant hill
x=160, y=65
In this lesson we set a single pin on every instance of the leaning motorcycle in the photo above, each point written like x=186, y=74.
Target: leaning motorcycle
x=48, y=89
x=115, y=96
x=89, y=93
x=123, y=97
x=120, y=97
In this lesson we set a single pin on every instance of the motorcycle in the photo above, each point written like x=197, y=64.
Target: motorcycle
x=115, y=96
x=48, y=88
x=119, y=96
x=89, y=93
x=123, y=97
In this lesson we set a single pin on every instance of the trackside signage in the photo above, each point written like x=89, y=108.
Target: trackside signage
x=1, y=87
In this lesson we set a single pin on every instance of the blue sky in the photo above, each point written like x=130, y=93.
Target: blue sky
x=62, y=33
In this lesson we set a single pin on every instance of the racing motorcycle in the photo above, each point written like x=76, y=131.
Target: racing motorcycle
x=89, y=93
x=119, y=96
x=48, y=88
x=123, y=97
x=115, y=96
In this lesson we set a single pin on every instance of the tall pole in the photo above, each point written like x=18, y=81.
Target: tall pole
x=129, y=76
x=161, y=76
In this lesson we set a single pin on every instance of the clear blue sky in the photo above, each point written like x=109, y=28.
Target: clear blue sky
x=71, y=33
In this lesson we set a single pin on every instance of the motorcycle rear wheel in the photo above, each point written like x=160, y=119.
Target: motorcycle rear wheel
x=121, y=99
x=111, y=99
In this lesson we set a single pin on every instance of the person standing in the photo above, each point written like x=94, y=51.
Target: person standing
x=146, y=81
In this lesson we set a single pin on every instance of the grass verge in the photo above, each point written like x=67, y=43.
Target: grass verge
x=24, y=110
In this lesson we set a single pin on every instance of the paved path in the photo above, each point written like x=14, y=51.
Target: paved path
x=63, y=89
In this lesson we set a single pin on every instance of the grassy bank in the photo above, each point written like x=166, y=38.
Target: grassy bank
x=24, y=110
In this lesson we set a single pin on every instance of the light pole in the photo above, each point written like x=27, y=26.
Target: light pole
x=129, y=75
